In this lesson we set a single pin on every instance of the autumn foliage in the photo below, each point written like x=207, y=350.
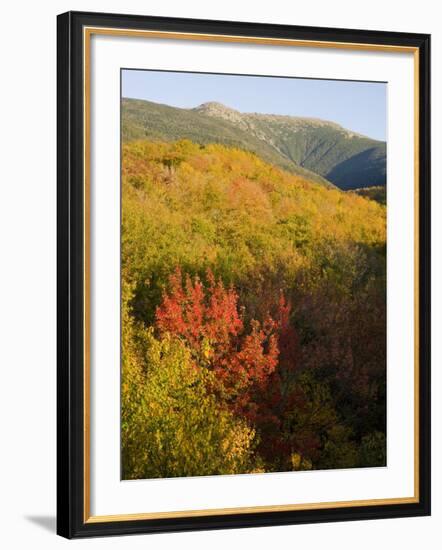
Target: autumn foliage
x=208, y=320
x=253, y=317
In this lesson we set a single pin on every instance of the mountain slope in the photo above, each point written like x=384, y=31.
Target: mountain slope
x=347, y=159
x=147, y=120
x=316, y=149
x=370, y=165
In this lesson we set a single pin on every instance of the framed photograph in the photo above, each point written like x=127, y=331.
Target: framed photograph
x=243, y=274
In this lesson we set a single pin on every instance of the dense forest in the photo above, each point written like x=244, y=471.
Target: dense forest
x=253, y=316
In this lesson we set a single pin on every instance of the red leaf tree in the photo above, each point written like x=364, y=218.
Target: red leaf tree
x=208, y=318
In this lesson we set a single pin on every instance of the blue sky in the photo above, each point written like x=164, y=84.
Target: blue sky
x=358, y=106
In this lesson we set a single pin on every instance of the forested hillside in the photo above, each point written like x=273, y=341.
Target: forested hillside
x=253, y=314
x=318, y=150
x=143, y=119
x=378, y=193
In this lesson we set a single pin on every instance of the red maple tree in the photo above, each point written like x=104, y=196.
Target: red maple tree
x=208, y=318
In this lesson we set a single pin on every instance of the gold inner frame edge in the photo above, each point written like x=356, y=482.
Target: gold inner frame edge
x=87, y=33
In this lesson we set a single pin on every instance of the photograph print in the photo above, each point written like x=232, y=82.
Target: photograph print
x=253, y=274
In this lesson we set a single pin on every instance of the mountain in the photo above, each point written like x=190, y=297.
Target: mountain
x=369, y=166
x=319, y=150
x=147, y=120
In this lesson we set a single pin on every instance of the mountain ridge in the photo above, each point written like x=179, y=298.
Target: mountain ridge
x=209, y=107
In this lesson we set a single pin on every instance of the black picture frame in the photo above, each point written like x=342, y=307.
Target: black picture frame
x=71, y=520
